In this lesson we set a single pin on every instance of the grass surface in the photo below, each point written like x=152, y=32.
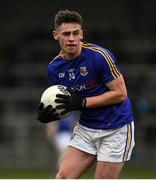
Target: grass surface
x=46, y=174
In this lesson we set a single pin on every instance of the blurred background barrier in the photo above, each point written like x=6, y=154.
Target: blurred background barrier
x=127, y=27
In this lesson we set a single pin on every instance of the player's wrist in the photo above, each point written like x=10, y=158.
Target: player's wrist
x=84, y=101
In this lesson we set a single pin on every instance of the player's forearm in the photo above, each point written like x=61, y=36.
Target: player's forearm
x=104, y=99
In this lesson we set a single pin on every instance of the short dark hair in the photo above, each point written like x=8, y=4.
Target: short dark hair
x=66, y=16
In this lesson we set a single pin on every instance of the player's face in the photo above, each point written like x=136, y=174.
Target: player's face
x=69, y=36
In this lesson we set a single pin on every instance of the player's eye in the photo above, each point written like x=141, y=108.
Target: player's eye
x=66, y=33
x=75, y=33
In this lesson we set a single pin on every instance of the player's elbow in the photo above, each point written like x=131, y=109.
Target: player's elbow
x=122, y=96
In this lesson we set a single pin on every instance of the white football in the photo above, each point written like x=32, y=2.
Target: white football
x=49, y=95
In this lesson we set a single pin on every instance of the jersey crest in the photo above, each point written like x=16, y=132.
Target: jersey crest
x=83, y=71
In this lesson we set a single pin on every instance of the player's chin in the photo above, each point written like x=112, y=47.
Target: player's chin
x=72, y=53
x=71, y=49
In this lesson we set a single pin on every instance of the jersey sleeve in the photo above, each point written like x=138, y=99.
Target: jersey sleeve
x=107, y=66
x=50, y=76
x=51, y=71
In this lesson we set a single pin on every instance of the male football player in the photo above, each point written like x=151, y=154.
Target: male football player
x=105, y=131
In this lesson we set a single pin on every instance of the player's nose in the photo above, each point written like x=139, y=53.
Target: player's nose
x=71, y=37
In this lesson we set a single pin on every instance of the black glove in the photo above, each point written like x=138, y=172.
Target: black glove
x=47, y=114
x=71, y=102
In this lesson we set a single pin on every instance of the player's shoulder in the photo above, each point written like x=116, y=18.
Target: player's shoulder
x=99, y=51
x=55, y=59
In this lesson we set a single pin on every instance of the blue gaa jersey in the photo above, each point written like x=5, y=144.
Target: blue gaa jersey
x=87, y=74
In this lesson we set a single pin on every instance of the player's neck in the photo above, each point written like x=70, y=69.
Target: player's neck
x=70, y=56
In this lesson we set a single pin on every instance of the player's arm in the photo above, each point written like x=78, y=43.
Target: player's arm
x=116, y=94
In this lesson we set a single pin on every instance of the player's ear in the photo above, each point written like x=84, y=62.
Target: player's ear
x=55, y=35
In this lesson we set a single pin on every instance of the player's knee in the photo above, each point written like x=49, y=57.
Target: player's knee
x=61, y=175
x=58, y=176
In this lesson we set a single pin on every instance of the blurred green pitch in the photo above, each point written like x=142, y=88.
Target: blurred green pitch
x=47, y=174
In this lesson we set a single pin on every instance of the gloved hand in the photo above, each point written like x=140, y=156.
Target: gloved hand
x=70, y=103
x=47, y=114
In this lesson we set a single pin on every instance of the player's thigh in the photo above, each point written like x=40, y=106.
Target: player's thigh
x=74, y=163
x=108, y=170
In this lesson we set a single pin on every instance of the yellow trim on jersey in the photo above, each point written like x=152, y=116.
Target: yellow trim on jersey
x=62, y=53
x=107, y=57
x=54, y=58
x=128, y=145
